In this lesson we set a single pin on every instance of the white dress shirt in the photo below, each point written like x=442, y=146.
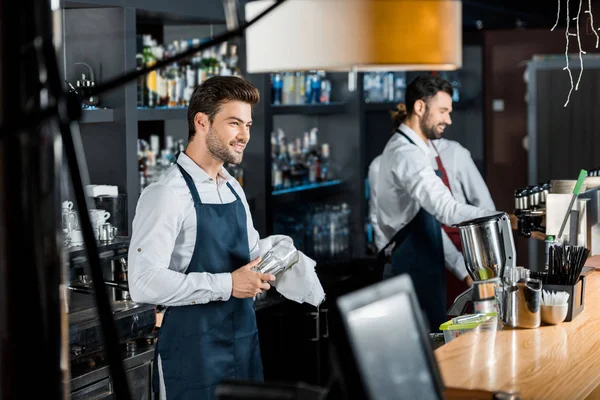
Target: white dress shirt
x=164, y=235
x=406, y=182
x=467, y=184
x=379, y=237
x=453, y=259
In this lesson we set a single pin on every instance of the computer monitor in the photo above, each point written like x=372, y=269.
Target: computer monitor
x=382, y=346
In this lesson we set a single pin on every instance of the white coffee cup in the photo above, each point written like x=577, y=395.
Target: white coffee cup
x=76, y=237
x=99, y=217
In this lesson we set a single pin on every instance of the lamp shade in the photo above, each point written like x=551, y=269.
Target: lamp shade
x=338, y=35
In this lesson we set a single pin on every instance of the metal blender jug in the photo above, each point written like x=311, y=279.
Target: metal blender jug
x=488, y=249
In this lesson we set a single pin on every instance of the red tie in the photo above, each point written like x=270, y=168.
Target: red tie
x=452, y=232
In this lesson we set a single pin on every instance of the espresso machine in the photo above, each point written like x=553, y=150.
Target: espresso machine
x=489, y=251
x=530, y=208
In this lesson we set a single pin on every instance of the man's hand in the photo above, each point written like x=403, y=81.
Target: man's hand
x=514, y=221
x=538, y=235
x=246, y=283
x=468, y=281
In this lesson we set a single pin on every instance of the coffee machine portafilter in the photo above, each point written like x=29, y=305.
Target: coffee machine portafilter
x=488, y=249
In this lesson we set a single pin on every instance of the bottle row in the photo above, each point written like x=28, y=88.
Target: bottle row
x=173, y=85
x=154, y=160
x=384, y=87
x=299, y=88
x=300, y=161
x=390, y=87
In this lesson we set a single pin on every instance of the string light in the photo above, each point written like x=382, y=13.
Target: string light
x=558, y=16
x=577, y=20
x=567, y=34
x=579, y=43
x=589, y=11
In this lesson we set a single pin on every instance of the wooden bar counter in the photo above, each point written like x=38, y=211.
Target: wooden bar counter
x=551, y=362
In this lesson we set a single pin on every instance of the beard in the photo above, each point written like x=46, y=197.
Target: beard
x=429, y=129
x=221, y=151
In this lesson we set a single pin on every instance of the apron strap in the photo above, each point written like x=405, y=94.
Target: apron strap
x=233, y=191
x=191, y=185
x=406, y=136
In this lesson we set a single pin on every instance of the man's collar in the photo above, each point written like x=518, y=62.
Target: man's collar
x=196, y=172
x=412, y=135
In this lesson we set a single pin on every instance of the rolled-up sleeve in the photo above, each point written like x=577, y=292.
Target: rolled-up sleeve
x=453, y=259
x=157, y=223
x=414, y=174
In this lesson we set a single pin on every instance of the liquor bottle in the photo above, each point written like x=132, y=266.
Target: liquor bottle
x=313, y=157
x=300, y=87
x=276, y=176
x=150, y=60
x=276, y=89
x=324, y=163
x=284, y=166
x=234, y=61
x=142, y=167
x=141, y=84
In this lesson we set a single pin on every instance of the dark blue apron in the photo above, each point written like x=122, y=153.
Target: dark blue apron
x=201, y=345
x=419, y=252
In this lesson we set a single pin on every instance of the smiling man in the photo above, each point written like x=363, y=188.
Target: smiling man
x=412, y=200
x=193, y=248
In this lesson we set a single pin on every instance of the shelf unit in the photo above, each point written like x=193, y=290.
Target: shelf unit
x=161, y=114
x=337, y=125
x=310, y=109
x=109, y=133
x=95, y=116
x=380, y=106
x=304, y=188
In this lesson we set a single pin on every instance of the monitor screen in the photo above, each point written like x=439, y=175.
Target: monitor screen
x=390, y=346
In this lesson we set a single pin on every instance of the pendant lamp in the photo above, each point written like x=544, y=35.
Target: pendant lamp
x=355, y=35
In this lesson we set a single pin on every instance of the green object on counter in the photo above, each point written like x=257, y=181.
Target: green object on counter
x=582, y=175
x=452, y=331
x=576, y=190
x=471, y=324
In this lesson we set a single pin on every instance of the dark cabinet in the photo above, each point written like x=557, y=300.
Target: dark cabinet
x=294, y=344
x=295, y=338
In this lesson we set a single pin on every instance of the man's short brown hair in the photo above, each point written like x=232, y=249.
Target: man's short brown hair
x=209, y=96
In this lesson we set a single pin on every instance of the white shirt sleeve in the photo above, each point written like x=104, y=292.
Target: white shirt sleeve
x=414, y=174
x=372, y=177
x=473, y=185
x=157, y=223
x=453, y=259
x=378, y=235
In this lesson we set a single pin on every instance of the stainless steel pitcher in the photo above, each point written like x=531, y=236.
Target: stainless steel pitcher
x=488, y=246
x=521, y=303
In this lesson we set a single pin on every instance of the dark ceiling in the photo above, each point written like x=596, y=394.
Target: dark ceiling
x=509, y=14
